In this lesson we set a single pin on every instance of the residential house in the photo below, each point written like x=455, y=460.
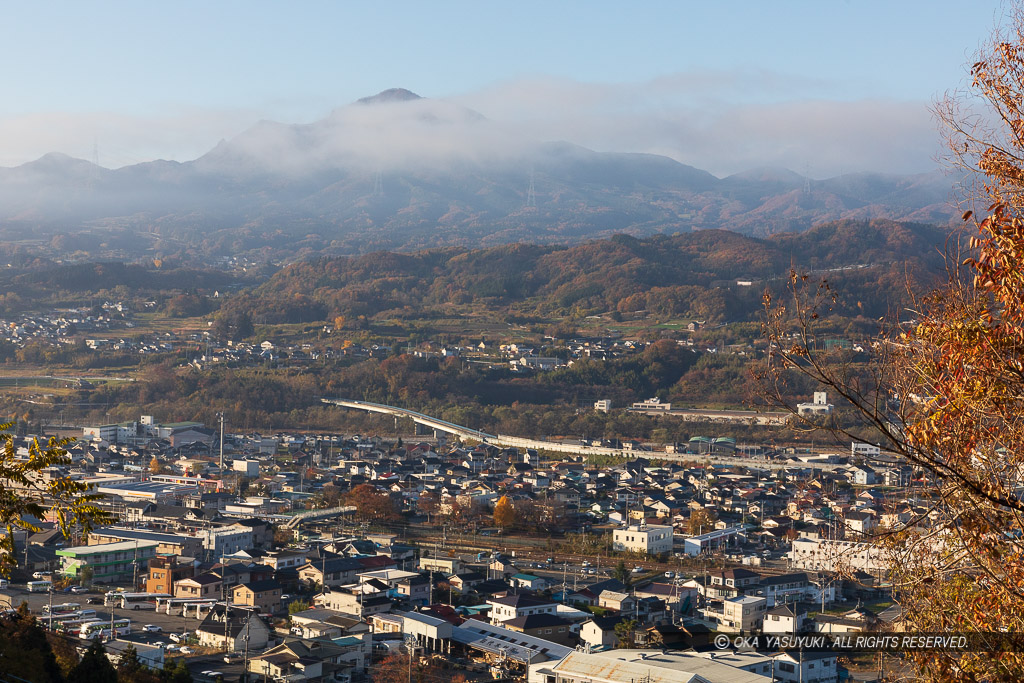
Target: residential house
x=513, y=606
x=264, y=595
x=623, y=603
x=529, y=581
x=785, y=618
x=332, y=570
x=206, y=585
x=547, y=626
x=244, y=630
x=312, y=661
x=599, y=632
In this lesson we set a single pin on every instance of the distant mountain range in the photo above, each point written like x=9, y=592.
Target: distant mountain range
x=397, y=171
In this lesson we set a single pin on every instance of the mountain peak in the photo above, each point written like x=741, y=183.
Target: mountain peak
x=390, y=95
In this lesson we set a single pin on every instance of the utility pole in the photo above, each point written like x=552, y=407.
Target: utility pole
x=245, y=657
x=135, y=568
x=221, y=415
x=223, y=596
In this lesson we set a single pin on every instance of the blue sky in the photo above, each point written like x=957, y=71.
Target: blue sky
x=719, y=85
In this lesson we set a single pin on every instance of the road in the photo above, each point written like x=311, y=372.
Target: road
x=558, y=447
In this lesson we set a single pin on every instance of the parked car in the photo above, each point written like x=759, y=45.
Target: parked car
x=186, y=650
x=670, y=575
x=95, y=601
x=152, y=628
x=232, y=657
x=179, y=637
x=637, y=569
x=79, y=589
x=38, y=576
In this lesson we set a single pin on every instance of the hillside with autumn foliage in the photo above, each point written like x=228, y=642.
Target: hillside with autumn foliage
x=712, y=275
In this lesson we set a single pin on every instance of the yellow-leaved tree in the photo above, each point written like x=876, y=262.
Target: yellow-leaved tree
x=504, y=513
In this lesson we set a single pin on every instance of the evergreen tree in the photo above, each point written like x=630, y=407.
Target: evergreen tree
x=176, y=672
x=25, y=651
x=622, y=573
x=94, y=667
x=129, y=665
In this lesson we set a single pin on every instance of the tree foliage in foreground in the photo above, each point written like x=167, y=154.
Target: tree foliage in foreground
x=947, y=393
x=26, y=494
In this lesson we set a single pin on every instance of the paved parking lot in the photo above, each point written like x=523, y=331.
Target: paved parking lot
x=168, y=623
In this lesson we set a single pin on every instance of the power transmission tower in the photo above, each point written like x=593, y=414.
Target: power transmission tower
x=531, y=194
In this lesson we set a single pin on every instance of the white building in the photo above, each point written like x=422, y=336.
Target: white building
x=819, y=406
x=743, y=614
x=829, y=555
x=785, y=619
x=515, y=606
x=652, y=405
x=711, y=541
x=250, y=468
x=651, y=539
x=604, y=405
x=864, y=449
x=112, y=433
x=807, y=667
x=227, y=540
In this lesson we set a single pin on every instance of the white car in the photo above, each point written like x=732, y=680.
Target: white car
x=179, y=637
x=185, y=650
x=152, y=628
x=79, y=589
x=670, y=575
x=38, y=576
x=637, y=569
x=172, y=648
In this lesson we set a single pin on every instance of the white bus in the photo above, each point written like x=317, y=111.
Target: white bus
x=39, y=586
x=101, y=629
x=177, y=606
x=54, y=619
x=75, y=626
x=134, y=601
x=65, y=607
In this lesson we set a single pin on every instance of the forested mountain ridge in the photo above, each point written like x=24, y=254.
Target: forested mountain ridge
x=405, y=173
x=716, y=275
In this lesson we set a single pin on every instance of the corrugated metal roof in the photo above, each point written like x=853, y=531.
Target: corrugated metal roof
x=619, y=666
